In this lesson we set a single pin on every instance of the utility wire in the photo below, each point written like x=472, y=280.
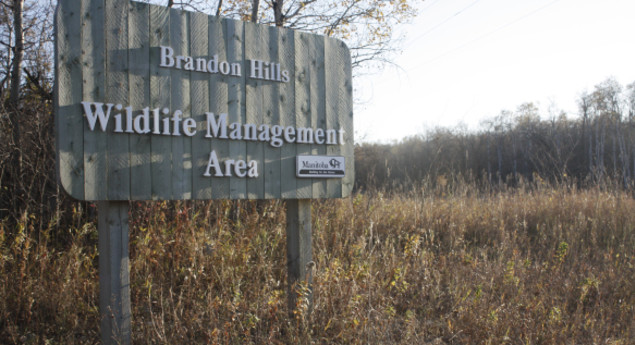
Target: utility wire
x=430, y=6
x=443, y=22
x=504, y=26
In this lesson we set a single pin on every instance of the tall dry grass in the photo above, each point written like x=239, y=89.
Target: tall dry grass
x=535, y=265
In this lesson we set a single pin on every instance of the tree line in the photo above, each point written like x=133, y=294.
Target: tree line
x=596, y=145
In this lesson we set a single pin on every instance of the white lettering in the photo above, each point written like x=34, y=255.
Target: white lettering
x=228, y=167
x=285, y=76
x=250, y=131
x=213, y=127
x=166, y=122
x=305, y=135
x=189, y=127
x=176, y=119
x=240, y=168
x=289, y=134
x=236, y=70
x=118, y=128
x=331, y=135
x=236, y=133
x=319, y=136
x=232, y=167
x=213, y=163
x=99, y=114
x=276, y=132
x=145, y=117
x=167, y=59
x=212, y=64
x=223, y=67
x=156, y=118
x=253, y=169
x=129, y=120
x=201, y=65
x=189, y=63
x=179, y=59
x=264, y=133
x=256, y=69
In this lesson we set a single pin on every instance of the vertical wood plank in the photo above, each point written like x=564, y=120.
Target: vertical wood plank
x=117, y=92
x=70, y=158
x=299, y=252
x=236, y=100
x=199, y=93
x=271, y=105
x=93, y=78
x=160, y=99
x=255, y=113
x=317, y=113
x=139, y=93
x=180, y=100
x=334, y=107
x=218, y=99
x=346, y=118
x=303, y=104
x=286, y=58
x=114, y=272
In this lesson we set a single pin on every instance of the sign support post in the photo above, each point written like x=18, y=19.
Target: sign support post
x=114, y=272
x=299, y=254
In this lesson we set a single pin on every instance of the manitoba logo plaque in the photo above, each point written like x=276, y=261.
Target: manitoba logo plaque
x=320, y=166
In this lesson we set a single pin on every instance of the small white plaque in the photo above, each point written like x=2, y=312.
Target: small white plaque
x=320, y=166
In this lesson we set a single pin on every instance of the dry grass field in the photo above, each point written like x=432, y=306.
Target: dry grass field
x=533, y=265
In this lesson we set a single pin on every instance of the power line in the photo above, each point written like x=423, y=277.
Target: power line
x=444, y=21
x=430, y=6
x=504, y=26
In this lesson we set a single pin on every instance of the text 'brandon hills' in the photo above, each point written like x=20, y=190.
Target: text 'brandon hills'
x=258, y=69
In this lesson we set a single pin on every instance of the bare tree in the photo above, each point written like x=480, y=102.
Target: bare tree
x=365, y=25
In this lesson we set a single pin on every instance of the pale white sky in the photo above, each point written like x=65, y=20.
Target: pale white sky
x=464, y=61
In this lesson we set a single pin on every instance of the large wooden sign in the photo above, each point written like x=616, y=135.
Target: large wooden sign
x=156, y=103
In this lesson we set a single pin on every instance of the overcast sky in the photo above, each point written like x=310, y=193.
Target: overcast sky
x=464, y=61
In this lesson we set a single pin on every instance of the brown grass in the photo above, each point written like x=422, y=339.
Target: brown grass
x=531, y=266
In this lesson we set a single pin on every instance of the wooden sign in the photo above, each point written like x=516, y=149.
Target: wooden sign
x=155, y=103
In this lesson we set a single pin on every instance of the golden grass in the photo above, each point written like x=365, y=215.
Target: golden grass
x=529, y=266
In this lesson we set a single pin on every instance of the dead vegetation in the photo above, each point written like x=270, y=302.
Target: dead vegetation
x=536, y=265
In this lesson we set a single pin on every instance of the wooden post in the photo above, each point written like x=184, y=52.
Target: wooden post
x=299, y=255
x=114, y=272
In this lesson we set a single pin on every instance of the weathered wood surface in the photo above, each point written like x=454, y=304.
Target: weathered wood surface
x=109, y=52
x=234, y=38
x=139, y=79
x=70, y=130
x=117, y=87
x=114, y=272
x=199, y=92
x=180, y=99
x=93, y=64
x=300, y=263
x=255, y=42
x=286, y=109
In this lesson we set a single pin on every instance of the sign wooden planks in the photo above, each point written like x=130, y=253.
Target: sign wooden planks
x=157, y=104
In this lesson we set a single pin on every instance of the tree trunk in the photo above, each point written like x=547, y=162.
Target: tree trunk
x=18, y=52
x=220, y=6
x=14, y=97
x=254, y=11
x=277, y=12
